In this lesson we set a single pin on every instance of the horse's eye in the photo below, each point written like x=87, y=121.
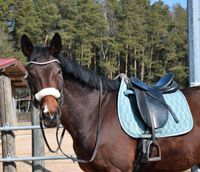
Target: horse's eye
x=59, y=72
x=26, y=66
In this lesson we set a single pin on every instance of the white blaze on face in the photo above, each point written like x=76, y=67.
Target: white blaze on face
x=47, y=92
x=46, y=110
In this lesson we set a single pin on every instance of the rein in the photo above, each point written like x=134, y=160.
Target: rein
x=59, y=141
x=74, y=159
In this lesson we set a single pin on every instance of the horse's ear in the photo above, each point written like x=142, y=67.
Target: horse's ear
x=56, y=45
x=26, y=45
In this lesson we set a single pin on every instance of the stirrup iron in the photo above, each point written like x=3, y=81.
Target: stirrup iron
x=153, y=144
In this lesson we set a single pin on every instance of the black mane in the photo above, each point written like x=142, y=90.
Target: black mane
x=86, y=76
x=90, y=78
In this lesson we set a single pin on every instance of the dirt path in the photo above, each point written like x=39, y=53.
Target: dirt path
x=23, y=149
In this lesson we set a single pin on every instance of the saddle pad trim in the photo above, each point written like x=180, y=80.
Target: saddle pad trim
x=134, y=127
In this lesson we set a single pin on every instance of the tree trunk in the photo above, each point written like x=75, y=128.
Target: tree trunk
x=81, y=60
x=118, y=62
x=150, y=63
x=46, y=40
x=142, y=66
x=135, y=63
x=126, y=61
x=151, y=57
x=69, y=53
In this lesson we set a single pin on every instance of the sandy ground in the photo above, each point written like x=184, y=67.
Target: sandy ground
x=23, y=149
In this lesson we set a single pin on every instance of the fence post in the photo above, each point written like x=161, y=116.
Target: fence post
x=38, y=147
x=193, y=8
x=7, y=118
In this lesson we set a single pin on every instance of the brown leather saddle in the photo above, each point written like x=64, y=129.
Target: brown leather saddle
x=152, y=108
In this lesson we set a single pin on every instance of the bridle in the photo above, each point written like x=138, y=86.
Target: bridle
x=60, y=98
x=46, y=91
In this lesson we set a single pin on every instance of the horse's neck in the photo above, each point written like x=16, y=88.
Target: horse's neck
x=80, y=108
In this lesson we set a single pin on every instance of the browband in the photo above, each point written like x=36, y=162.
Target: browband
x=43, y=63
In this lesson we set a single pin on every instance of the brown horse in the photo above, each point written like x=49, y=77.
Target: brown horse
x=89, y=114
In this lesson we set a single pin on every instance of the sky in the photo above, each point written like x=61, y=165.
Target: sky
x=170, y=3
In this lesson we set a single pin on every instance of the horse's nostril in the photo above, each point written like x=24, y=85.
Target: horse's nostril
x=48, y=116
x=45, y=116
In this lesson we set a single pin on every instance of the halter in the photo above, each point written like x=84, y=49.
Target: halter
x=54, y=92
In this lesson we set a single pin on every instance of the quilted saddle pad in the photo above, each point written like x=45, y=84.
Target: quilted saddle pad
x=134, y=126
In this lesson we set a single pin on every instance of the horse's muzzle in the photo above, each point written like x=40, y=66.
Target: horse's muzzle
x=50, y=111
x=49, y=120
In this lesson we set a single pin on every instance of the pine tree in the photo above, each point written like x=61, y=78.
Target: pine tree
x=90, y=25
x=133, y=35
x=48, y=13
x=130, y=36
x=179, y=30
x=109, y=47
x=160, y=48
x=5, y=46
x=69, y=12
x=25, y=21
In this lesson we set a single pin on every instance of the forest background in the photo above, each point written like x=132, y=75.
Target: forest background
x=108, y=36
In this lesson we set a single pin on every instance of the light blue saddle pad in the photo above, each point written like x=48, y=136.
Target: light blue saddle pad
x=134, y=127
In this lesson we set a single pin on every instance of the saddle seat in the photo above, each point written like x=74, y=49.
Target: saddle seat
x=165, y=84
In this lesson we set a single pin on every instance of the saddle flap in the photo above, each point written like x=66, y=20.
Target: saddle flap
x=152, y=111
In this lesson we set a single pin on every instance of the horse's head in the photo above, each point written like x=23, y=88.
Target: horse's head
x=44, y=77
